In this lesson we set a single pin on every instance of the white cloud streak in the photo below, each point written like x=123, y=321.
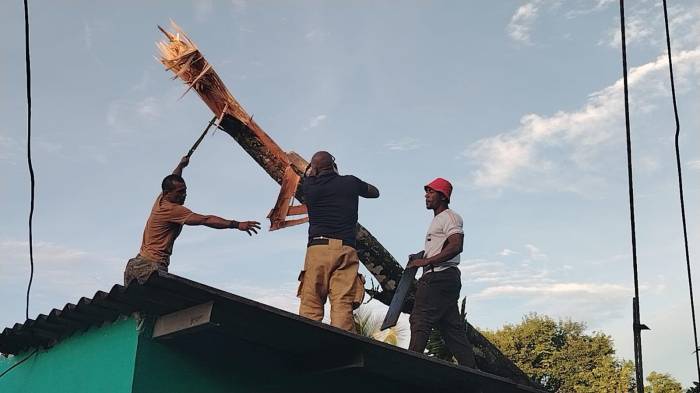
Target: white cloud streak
x=521, y=22
x=522, y=158
x=534, y=253
x=62, y=274
x=404, y=144
x=87, y=36
x=315, y=122
x=506, y=252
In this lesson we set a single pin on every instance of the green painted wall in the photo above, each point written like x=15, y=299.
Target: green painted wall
x=98, y=360
x=163, y=368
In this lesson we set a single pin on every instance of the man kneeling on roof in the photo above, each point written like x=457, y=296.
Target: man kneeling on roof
x=168, y=215
x=437, y=292
x=331, y=264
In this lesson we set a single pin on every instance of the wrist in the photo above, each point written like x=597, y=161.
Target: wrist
x=233, y=224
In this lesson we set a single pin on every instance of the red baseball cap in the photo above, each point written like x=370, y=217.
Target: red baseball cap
x=440, y=185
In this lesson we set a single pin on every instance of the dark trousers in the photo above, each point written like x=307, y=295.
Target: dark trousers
x=437, y=295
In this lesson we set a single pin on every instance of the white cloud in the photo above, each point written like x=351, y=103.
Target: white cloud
x=544, y=290
x=46, y=251
x=523, y=158
x=404, y=144
x=148, y=107
x=521, y=22
x=649, y=163
x=282, y=296
x=9, y=148
x=534, y=253
x=694, y=164
x=558, y=289
x=315, y=35
x=598, y=6
x=644, y=25
x=127, y=115
x=48, y=146
x=595, y=303
x=315, y=122
x=506, y=252
x=87, y=36
x=637, y=30
x=62, y=274
x=239, y=5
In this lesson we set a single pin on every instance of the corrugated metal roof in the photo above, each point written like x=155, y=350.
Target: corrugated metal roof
x=244, y=319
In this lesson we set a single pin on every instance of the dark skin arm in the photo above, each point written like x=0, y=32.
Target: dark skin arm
x=184, y=161
x=452, y=247
x=221, y=223
x=372, y=191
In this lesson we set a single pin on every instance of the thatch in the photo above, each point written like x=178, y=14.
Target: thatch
x=181, y=56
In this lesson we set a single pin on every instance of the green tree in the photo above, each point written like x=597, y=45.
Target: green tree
x=562, y=357
x=662, y=383
x=694, y=389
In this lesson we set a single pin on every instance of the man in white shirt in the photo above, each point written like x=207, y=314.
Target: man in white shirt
x=438, y=289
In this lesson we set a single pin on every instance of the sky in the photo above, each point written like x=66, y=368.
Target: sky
x=518, y=103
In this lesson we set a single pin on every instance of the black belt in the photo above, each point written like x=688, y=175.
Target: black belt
x=323, y=241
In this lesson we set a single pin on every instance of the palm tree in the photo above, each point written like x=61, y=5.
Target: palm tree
x=368, y=323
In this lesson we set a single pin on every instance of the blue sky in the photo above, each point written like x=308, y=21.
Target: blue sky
x=519, y=103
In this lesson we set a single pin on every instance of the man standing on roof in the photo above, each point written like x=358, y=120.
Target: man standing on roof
x=331, y=264
x=168, y=215
x=437, y=292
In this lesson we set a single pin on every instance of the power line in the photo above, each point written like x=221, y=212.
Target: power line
x=636, y=326
x=29, y=151
x=18, y=363
x=680, y=187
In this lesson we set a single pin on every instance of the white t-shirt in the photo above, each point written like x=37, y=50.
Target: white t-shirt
x=444, y=225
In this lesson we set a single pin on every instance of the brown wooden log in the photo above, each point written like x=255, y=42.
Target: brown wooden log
x=181, y=56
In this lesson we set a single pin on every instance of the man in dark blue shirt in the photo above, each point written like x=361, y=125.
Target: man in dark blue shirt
x=331, y=264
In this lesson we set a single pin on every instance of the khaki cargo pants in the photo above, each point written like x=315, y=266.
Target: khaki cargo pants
x=330, y=271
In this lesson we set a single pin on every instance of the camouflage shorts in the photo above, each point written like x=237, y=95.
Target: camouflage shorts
x=140, y=268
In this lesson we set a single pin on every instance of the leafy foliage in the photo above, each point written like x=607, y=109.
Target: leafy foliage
x=662, y=383
x=562, y=357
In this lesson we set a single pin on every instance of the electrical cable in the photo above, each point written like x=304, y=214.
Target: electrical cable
x=18, y=363
x=636, y=325
x=680, y=187
x=29, y=151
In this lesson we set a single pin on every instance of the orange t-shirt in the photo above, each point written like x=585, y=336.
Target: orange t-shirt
x=162, y=228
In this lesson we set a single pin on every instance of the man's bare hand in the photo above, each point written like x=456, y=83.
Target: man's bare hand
x=417, y=263
x=249, y=226
x=184, y=161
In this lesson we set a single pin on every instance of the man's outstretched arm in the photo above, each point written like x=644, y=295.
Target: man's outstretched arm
x=216, y=222
x=184, y=161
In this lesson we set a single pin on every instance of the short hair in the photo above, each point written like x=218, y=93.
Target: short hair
x=169, y=182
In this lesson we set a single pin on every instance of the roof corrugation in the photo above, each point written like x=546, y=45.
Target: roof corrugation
x=164, y=293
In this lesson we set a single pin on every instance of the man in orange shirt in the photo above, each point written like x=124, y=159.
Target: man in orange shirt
x=168, y=215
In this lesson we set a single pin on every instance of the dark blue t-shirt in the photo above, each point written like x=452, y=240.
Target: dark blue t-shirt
x=332, y=203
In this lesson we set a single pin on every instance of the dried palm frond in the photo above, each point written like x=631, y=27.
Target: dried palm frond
x=181, y=56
